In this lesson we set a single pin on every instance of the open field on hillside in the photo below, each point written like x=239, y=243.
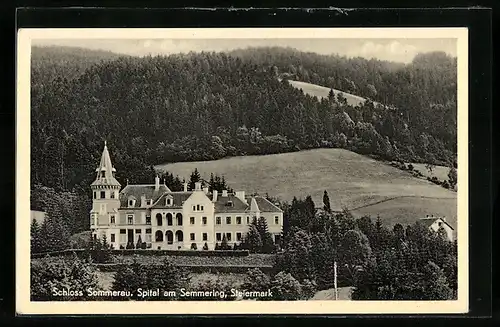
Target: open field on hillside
x=352, y=181
x=441, y=172
x=322, y=92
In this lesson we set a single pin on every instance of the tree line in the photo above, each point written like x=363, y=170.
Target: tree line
x=204, y=106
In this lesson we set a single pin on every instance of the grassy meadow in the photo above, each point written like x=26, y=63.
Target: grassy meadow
x=322, y=92
x=365, y=185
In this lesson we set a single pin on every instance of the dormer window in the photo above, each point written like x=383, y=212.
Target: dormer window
x=148, y=202
x=103, y=174
x=131, y=202
x=168, y=201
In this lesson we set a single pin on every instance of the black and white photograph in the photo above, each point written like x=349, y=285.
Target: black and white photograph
x=242, y=171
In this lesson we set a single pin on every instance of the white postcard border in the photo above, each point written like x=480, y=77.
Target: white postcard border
x=25, y=306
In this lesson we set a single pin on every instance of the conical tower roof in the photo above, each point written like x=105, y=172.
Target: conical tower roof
x=105, y=170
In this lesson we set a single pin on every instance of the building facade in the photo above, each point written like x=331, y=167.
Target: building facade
x=436, y=223
x=169, y=220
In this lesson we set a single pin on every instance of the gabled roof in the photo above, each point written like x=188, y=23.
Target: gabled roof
x=139, y=190
x=264, y=204
x=237, y=205
x=178, y=199
x=428, y=221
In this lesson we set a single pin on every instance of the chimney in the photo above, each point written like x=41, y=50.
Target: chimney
x=224, y=193
x=214, y=196
x=157, y=183
x=185, y=187
x=197, y=186
x=205, y=190
x=143, y=200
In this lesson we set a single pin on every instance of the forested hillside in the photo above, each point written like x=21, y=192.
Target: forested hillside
x=204, y=106
x=65, y=62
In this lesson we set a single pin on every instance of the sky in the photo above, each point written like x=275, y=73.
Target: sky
x=399, y=50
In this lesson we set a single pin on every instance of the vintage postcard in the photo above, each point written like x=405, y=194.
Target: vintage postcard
x=242, y=171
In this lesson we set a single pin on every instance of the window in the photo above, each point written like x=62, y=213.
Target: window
x=194, y=208
x=159, y=236
x=123, y=231
x=218, y=236
x=95, y=195
x=204, y=220
x=103, y=174
x=217, y=220
x=179, y=219
x=238, y=237
x=168, y=201
x=228, y=237
x=201, y=208
x=197, y=207
x=148, y=230
x=130, y=203
x=148, y=220
x=138, y=231
x=148, y=202
x=170, y=237
x=130, y=219
x=103, y=194
x=159, y=220
x=205, y=236
x=112, y=194
x=191, y=220
x=192, y=237
x=248, y=220
x=238, y=220
x=113, y=219
x=228, y=220
x=276, y=220
x=112, y=238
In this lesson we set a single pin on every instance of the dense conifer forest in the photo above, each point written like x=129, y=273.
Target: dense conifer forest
x=204, y=106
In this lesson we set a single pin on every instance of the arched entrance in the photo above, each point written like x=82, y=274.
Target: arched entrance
x=169, y=236
x=159, y=236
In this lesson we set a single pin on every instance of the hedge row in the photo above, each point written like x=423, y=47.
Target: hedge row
x=113, y=267
x=195, y=253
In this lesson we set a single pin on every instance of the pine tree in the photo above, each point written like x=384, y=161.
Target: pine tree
x=252, y=240
x=139, y=243
x=194, y=178
x=326, y=202
x=36, y=245
x=223, y=244
x=265, y=236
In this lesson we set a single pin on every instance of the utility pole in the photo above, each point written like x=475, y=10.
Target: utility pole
x=335, y=280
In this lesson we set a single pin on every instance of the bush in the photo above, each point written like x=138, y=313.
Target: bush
x=194, y=246
x=144, y=246
x=70, y=274
x=165, y=276
x=121, y=247
x=445, y=184
x=217, y=247
x=410, y=167
x=205, y=246
x=130, y=246
x=285, y=288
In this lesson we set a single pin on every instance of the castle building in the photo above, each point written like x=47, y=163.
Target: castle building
x=173, y=220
